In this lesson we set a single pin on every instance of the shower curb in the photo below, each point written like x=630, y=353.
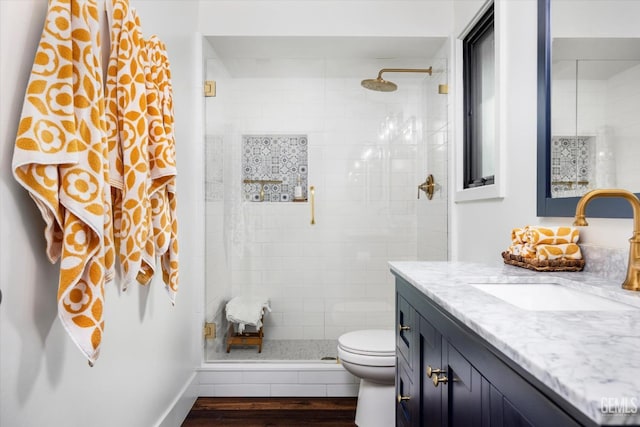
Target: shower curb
x=275, y=379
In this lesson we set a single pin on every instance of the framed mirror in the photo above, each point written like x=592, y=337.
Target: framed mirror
x=588, y=104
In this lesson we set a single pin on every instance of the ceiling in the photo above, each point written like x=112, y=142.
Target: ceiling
x=362, y=57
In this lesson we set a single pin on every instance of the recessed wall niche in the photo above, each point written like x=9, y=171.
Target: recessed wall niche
x=272, y=167
x=571, y=165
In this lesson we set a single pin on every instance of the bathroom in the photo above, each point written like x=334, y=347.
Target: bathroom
x=162, y=346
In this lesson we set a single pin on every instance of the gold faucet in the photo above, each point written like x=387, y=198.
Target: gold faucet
x=632, y=282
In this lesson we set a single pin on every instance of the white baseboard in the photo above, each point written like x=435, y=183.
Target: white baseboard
x=182, y=404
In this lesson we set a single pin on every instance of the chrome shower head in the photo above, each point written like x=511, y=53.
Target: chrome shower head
x=381, y=85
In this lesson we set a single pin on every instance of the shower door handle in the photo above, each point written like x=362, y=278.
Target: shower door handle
x=312, y=192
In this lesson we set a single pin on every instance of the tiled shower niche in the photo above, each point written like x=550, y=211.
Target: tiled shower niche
x=571, y=165
x=273, y=164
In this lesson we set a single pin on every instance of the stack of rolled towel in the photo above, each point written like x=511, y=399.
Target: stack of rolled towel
x=545, y=243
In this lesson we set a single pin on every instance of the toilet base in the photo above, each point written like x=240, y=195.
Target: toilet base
x=376, y=405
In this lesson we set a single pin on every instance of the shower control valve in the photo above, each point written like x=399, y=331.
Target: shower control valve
x=428, y=186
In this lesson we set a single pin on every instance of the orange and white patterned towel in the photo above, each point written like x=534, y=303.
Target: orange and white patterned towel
x=523, y=250
x=158, y=209
x=60, y=158
x=155, y=131
x=561, y=251
x=517, y=236
x=515, y=249
x=551, y=235
x=162, y=158
x=127, y=132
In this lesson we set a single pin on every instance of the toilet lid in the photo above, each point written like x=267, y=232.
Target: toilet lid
x=373, y=342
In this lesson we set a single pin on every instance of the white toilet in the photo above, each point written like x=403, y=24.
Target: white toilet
x=371, y=356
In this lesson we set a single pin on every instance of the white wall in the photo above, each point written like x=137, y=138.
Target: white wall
x=595, y=18
x=149, y=349
x=481, y=229
x=326, y=17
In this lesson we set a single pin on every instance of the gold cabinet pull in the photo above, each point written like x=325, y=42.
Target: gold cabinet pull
x=404, y=328
x=440, y=380
x=403, y=398
x=431, y=371
x=312, y=191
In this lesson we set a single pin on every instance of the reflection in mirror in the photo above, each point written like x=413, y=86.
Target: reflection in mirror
x=595, y=105
x=589, y=138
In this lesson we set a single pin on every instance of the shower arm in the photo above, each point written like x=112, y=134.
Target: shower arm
x=404, y=70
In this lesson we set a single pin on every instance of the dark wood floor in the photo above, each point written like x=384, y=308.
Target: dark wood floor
x=272, y=411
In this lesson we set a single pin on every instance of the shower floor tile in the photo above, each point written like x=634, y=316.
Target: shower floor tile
x=303, y=350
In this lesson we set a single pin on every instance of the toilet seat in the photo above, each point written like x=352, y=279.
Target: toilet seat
x=369, y=342
x=372, y=347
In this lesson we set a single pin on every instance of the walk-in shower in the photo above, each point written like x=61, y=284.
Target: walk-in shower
x=289, y=113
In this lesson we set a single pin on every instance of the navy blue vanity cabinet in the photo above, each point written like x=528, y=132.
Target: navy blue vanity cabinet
x=448, y=376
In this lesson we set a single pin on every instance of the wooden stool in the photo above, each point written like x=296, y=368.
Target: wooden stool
x=245, y=338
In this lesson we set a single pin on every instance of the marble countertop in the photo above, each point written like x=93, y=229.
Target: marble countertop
x=591, y=358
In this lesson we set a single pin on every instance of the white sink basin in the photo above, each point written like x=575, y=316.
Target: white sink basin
x=549, y=297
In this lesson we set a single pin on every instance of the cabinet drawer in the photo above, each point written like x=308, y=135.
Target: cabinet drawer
x=406, y=324
x=408, y=397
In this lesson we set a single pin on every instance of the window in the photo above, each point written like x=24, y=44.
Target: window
x=479, y=103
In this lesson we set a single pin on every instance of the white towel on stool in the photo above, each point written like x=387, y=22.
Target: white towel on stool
x=247, y=311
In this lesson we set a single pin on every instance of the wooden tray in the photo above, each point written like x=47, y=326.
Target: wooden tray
x=546, y=265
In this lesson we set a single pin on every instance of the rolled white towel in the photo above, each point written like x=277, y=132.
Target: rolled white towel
x=247, y=311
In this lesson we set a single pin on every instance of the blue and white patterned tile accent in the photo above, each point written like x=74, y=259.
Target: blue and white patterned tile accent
x=571, y=165
x=275, y=158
